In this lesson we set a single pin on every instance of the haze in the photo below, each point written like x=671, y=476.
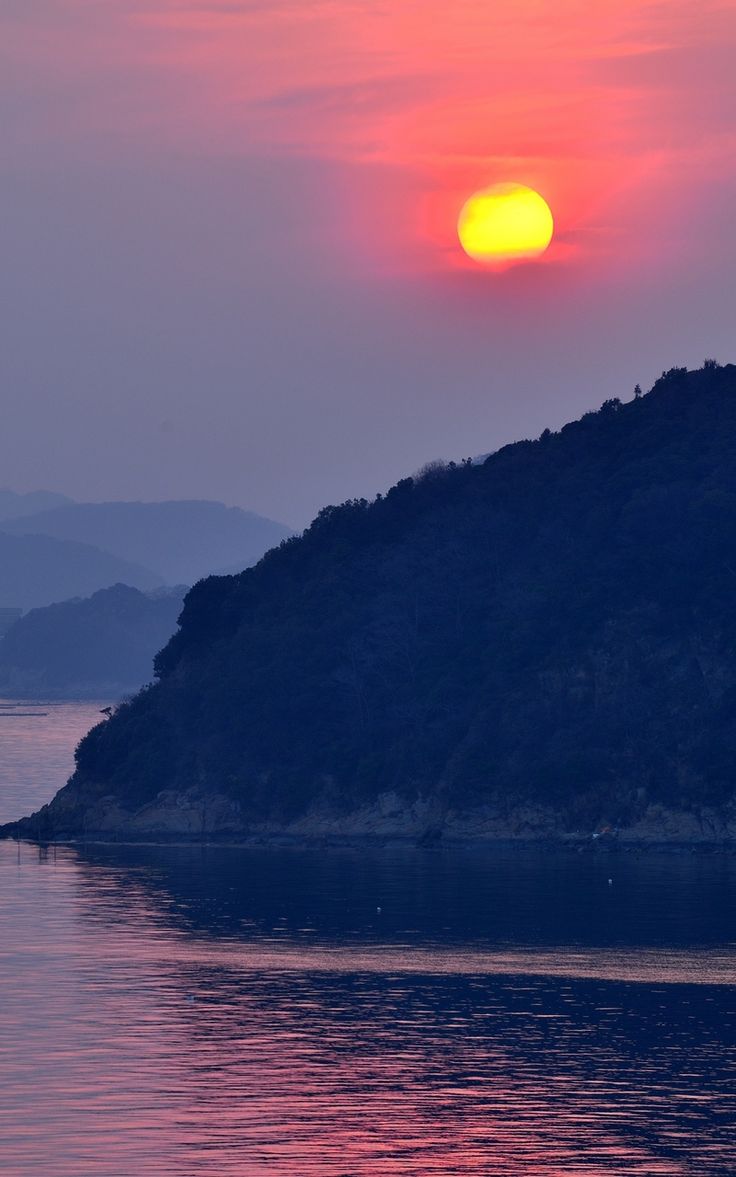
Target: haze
x=229, y=262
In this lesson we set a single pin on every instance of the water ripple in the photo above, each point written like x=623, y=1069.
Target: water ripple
x=140, y=1035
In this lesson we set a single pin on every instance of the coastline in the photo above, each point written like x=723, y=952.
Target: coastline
x=573, y=843
x=78, y=814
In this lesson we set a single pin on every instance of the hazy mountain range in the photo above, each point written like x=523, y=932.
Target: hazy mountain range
x=38, y=570
x=52, y=549
x=178, y=541
x=14, y=506
x=539, y=645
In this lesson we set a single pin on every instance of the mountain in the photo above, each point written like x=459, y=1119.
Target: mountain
x=542, y=645
x=181, y=540
x=14, y=506
x=36, y=570
x=99, y=647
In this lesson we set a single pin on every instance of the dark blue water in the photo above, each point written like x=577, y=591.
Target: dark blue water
x=241, y=1011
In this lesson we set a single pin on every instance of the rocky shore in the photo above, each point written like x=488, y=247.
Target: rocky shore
x=197, y=816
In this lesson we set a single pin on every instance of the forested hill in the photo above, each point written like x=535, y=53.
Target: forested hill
x=98, y=647
x=542, y=643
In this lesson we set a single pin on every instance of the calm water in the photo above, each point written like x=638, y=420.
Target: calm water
x=37, y=742
x=210, y=1012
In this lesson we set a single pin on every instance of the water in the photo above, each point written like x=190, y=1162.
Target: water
x=37, y=742
x=207, y=1012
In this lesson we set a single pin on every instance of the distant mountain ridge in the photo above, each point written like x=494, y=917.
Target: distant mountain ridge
x=539, y=646
x=180, y=540
x=37, y=570
x=15, y=506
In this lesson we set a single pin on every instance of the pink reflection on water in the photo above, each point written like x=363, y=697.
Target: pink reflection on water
x=128, y=1045
x=37, y=742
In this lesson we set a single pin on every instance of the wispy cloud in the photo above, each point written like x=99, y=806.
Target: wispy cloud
x=578, y=97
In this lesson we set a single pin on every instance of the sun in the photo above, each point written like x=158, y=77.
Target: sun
x=505, y=223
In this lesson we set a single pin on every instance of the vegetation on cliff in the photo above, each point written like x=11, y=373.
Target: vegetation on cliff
x=555, y=626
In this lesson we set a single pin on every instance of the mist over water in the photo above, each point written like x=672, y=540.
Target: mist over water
x=220, y=1010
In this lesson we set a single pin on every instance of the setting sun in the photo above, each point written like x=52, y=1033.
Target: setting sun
x=505, y=223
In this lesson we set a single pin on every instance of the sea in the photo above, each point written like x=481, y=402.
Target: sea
x=213, y=1011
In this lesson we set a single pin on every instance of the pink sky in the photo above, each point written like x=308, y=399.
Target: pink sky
x=356, y=130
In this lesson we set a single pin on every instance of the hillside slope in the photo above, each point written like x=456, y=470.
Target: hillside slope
x=540, y=644
x=102, y=646
x=181, y=540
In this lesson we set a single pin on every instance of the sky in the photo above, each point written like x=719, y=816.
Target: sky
x=229, y=265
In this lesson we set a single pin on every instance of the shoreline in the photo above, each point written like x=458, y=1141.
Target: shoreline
x=606, y=846
x=194, y=817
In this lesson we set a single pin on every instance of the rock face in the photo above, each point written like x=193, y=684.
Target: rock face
x=195, y=816
x=543, y=645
